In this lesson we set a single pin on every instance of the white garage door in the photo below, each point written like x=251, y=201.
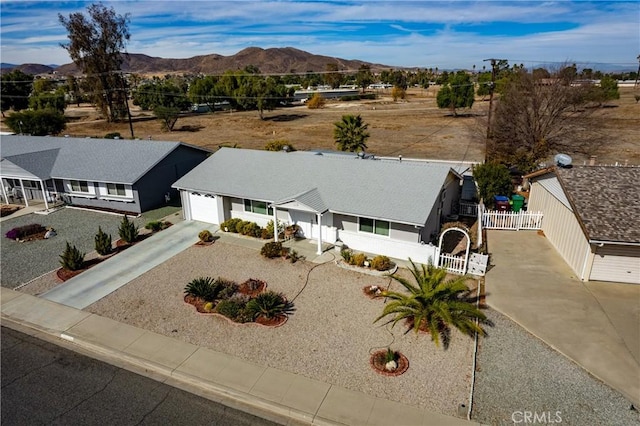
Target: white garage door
x=616, y=263
x=203, y=208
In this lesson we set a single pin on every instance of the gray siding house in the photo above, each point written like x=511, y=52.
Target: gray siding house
x=592, y=217
x=388, y=207
x=123, y=175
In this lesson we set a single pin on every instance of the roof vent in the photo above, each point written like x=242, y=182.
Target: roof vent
x=562, y=160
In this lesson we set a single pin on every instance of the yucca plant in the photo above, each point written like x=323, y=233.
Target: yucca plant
x=71, y=258
x=269, y=305
x=103, y=242
x=128, y=231
x=434, y=304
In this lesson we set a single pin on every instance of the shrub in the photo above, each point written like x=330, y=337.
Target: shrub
x=103, y=242
x=205, y=236
x=240, y=226
x=347, y=255
x=398, y=93
x=316, y=101
x=202, y=287
x=359, y=259
x=381, y=263
x=272, y=249
x=278, y=146
x=234, y=309
x=230, y=225
x=113, y=135
x=251, y=229
x=268, y=304
x=155, y=226
x=228, y=288
x=265, y=234
x=71, y=259
x=293, y=256
x=128, y=230
x=24, y=231
x=270, y=227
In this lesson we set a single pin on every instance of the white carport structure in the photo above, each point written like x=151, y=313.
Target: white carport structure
x=12, y=174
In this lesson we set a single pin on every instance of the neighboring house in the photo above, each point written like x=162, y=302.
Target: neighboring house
x=592, y=217
x=389, y=207
x=125, y=175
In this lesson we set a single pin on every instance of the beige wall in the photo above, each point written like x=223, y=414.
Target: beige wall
x=561, y=228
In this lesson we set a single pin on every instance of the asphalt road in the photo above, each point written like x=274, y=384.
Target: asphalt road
x=46, y=384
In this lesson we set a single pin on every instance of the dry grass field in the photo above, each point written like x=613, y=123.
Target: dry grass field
x=414, y=128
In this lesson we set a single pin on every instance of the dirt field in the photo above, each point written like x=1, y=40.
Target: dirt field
x=413, y=128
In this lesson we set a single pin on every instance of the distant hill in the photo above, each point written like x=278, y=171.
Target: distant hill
x=28, y=68
x=274, y=60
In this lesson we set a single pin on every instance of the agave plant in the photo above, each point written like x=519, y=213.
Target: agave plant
x=434, y=304
x=269, y=305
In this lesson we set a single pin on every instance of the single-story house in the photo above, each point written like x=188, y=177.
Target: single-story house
x=390, y=207
x=124, y=175
x=592, y=217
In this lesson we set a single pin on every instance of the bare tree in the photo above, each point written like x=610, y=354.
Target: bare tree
x=95, y=45
x=537, y=117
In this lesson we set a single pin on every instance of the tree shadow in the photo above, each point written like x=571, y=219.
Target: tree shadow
x=189, y=128
x=285, y=117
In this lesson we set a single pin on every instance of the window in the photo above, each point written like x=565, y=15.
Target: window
x=259, y=207
x=374, y=226
x=116, y=189
x=79, y=186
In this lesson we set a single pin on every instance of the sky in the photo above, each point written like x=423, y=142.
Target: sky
x=426, y=34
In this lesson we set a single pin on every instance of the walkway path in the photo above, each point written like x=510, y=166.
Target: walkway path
x=595, y=324
x=111, y=274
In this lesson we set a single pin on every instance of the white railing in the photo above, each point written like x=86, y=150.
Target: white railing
x=453, y=264
x=492, y=219
x=468, y=209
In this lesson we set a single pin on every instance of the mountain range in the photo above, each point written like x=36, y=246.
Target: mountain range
x=273, y=60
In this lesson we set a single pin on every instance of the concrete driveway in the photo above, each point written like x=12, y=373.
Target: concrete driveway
x=596, y=324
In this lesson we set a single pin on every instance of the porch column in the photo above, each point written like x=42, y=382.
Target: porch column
x=319, y=252
x=275, y=223
x=4, y=193
x=24, y=195
x=44, y=195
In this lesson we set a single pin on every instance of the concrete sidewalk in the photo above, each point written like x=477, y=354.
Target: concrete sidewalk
x=263, y=391
x=111, y=274
x=595, y=324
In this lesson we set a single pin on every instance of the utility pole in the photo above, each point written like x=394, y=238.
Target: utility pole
x=492, y=86
x=126, y=102
x=638, y=73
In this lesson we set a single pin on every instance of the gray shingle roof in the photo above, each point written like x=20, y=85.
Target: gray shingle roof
x=99, y=160
x=398, y=191
x=606, y=199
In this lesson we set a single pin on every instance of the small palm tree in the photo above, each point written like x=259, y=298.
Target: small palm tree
x=434, y=304
x=350, y=134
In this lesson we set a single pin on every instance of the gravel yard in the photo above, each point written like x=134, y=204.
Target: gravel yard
x=329, y=337
x=22, y=262
x=517, y=372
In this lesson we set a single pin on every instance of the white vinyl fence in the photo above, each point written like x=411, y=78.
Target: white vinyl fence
x=453, y=264
x=492, y=219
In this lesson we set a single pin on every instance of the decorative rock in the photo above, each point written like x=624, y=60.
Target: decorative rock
x=391, y=366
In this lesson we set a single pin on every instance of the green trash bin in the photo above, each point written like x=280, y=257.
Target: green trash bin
x=517, y=202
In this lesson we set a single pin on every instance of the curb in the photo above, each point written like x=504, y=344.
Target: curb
x=236, y=399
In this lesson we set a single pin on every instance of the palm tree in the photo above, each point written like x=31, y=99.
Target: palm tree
x=434, y=304
x=351, y=134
